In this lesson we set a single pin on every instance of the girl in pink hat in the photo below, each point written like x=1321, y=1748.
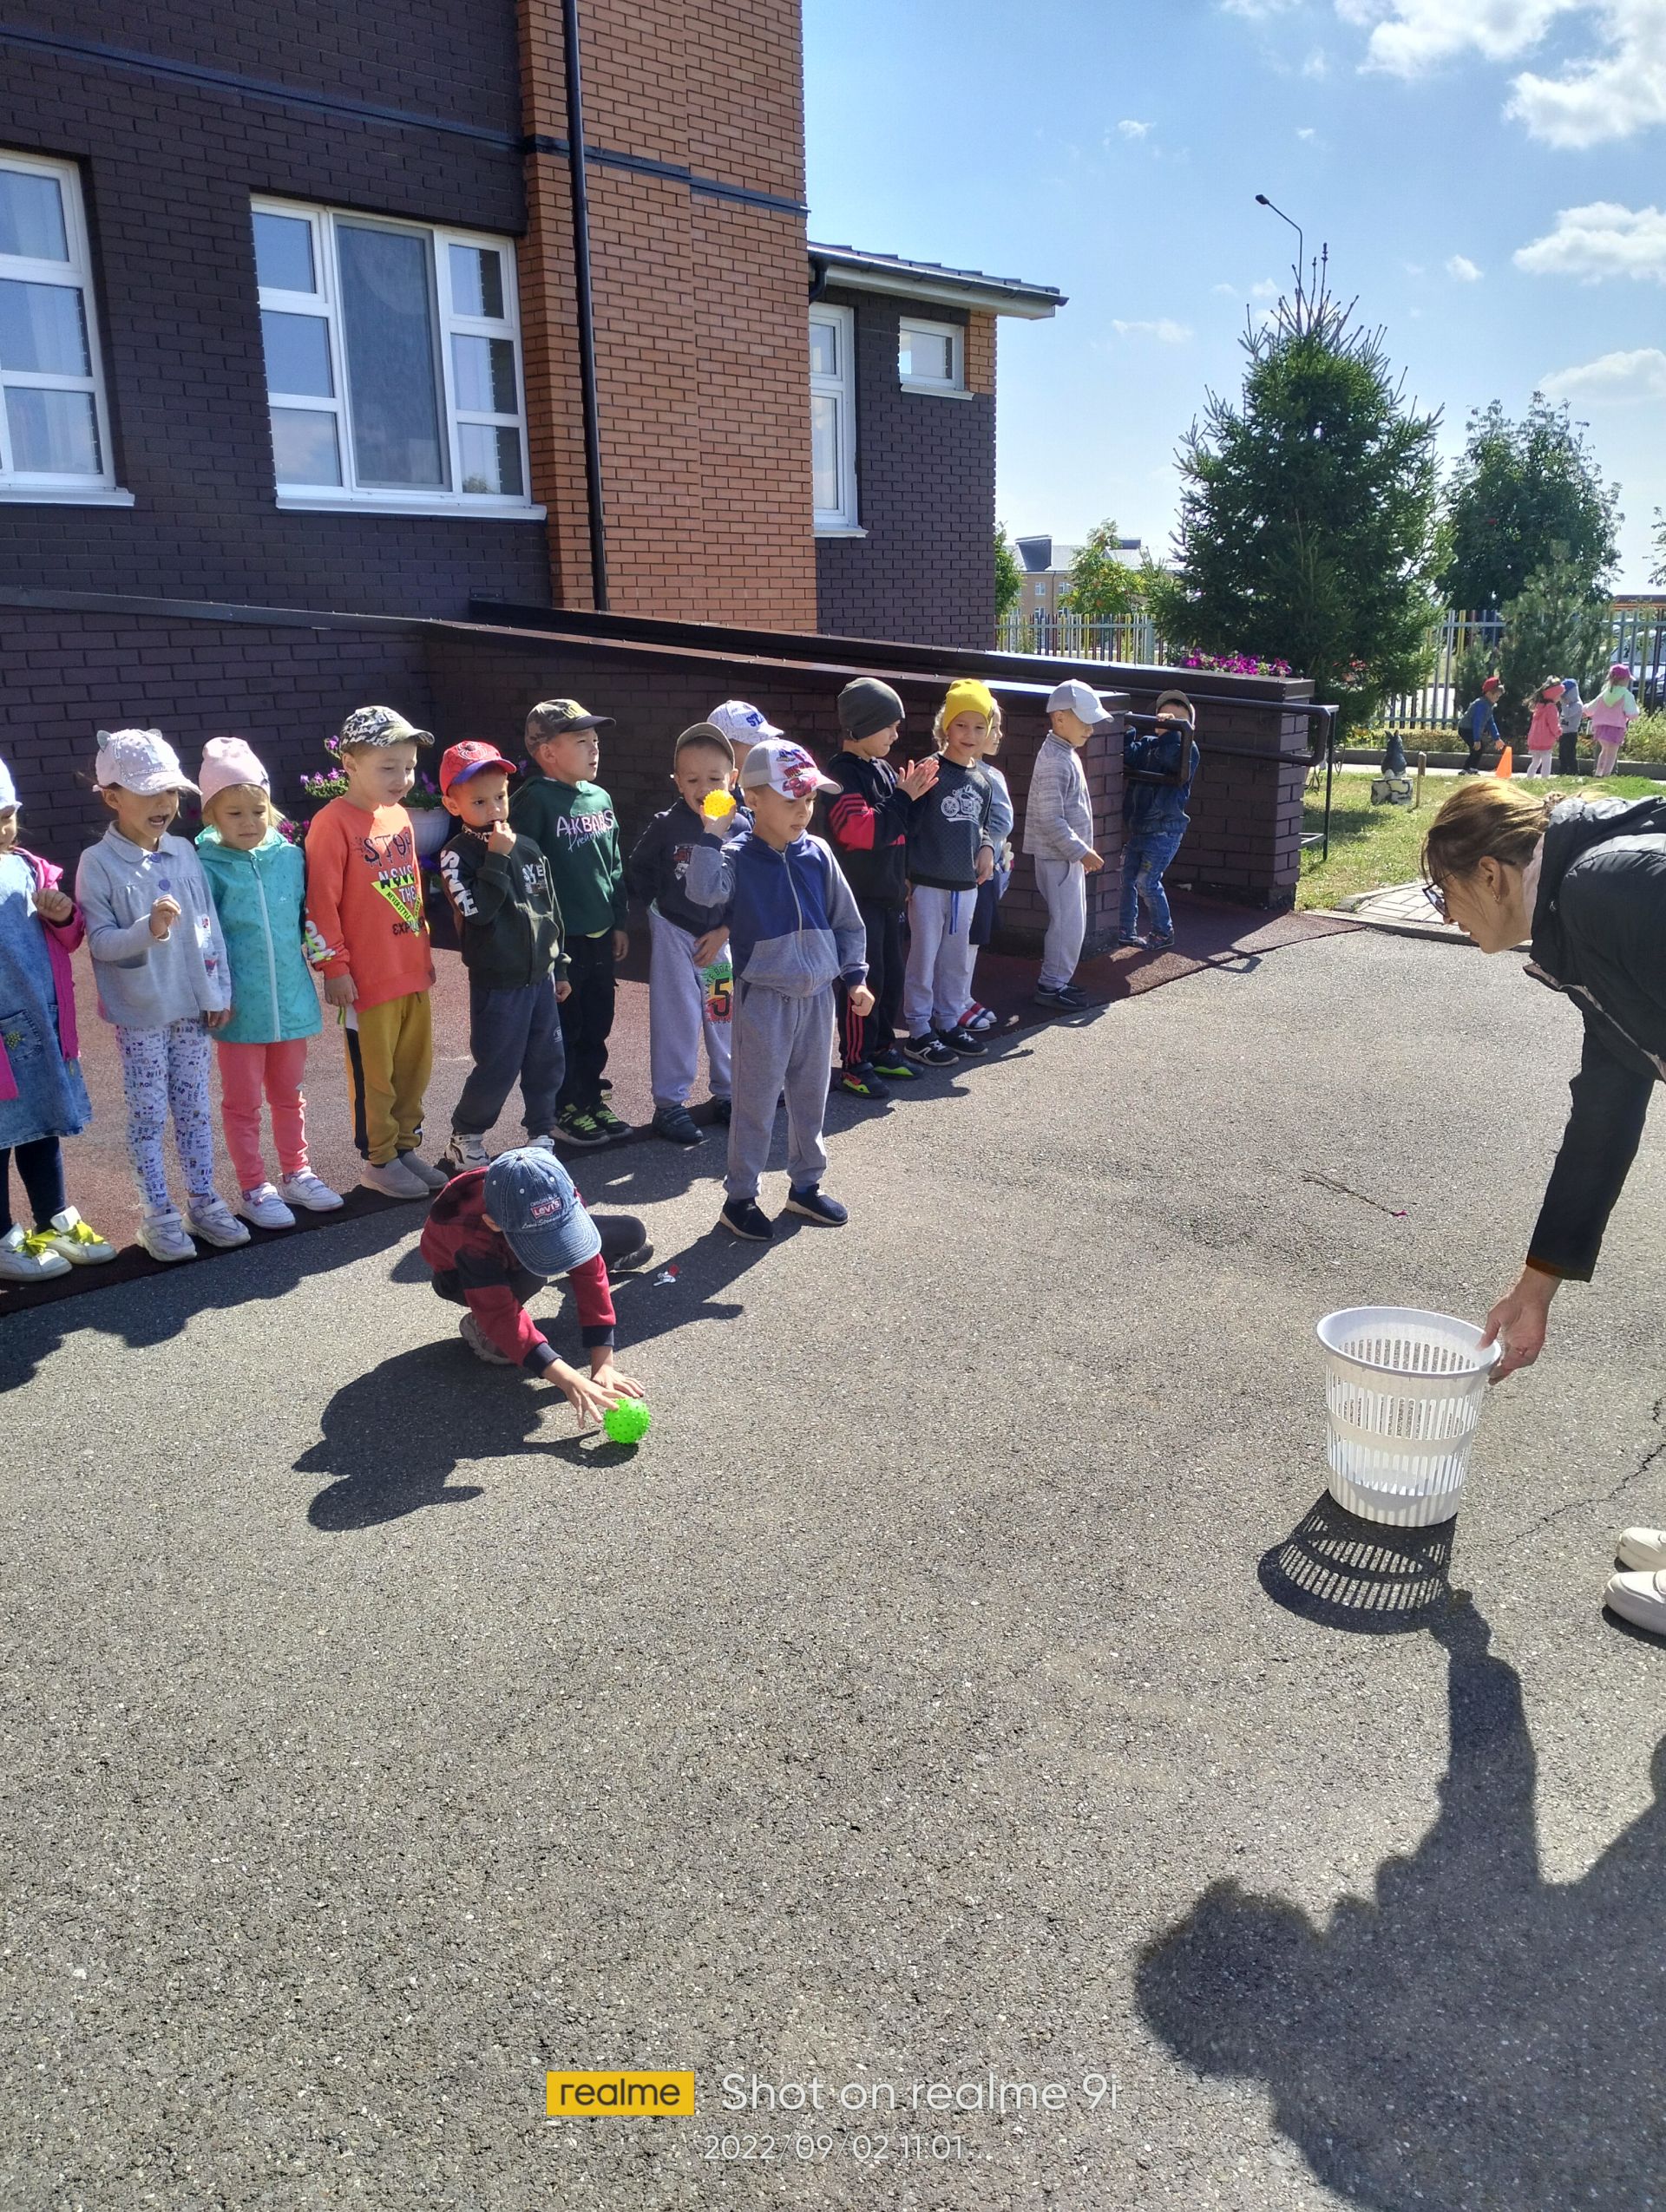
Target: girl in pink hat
x=1612, y=711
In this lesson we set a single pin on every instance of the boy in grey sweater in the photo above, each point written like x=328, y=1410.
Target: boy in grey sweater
x=1059, y=837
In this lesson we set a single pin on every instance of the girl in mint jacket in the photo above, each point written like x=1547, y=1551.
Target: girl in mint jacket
x=258, y=881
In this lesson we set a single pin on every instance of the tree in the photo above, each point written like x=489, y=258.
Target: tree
x=1308, y=512
x=1657, y=573
x=1558, y=624
x=1009, y=579
x=1521, y=495
x=1102, y=587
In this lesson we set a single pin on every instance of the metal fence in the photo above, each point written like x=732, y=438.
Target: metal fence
x=1132, y=638
x=1637, y=636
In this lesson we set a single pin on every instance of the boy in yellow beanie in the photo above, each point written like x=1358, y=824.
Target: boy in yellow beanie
x=951, y=851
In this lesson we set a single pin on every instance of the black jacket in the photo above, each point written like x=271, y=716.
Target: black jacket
x=508, y=924
x=950, y=824
x=868, y=825
x=658, y=868
x=1599, y=933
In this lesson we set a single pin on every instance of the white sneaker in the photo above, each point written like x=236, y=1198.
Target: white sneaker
x=463, y=1151
x=430, y=1177
x=309, y=1192
x=19, y=1263
x=1642, y=1549
x=212, y=1220
x=393, y=1180
x=264, y=1208
x=480, y=1344
x=78, y=1241
x=164, y=1238
x=1640, y=1598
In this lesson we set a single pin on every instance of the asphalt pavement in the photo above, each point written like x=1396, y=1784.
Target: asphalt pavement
x=961, y=1698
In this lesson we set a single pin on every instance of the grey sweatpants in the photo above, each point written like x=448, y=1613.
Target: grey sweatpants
x=779, y=1042
x=1063, y=885
x=937, y=989
x=677, y=1016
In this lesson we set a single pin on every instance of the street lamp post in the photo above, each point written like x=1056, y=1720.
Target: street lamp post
x=1261, y=200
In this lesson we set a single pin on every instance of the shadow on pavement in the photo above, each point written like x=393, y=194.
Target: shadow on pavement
x=1470, y=2035
x=1342, y=1572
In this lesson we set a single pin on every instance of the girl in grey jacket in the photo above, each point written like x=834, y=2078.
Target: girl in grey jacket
x=160, y=963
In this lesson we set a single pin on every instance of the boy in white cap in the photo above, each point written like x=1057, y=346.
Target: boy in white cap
x=794, y=927
x=1059, y=837
x=744, y=725
x=163, y=982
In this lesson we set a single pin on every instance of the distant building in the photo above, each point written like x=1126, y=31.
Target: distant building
x=1045, y=563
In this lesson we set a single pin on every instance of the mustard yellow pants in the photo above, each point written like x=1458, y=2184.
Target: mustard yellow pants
x=389, y=1059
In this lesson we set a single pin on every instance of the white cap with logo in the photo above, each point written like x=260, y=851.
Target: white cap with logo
x=742, y=723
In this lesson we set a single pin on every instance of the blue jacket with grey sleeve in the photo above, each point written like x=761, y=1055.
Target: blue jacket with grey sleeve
x=793, y=924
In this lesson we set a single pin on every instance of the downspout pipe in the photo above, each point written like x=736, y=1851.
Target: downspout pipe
x=586, y=304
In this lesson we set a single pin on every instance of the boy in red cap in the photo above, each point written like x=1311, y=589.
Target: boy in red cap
x=509, y=928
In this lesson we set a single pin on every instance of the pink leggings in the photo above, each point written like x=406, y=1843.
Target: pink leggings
x=246, y=1071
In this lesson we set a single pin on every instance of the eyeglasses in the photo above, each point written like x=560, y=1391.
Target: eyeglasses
x=1436, y=895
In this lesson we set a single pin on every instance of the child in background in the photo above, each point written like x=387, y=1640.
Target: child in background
x=495, y=1235
x=365, y=909
x=794, y=927
x=509, y=933
x=1059, y=837
x=1572, y=714
x=570, y=818
x=868, y=825
x=951, y=851
x=1156, y=815
x=685, y=940
x=744, y=726
x=42, y=1098
x=1477, y=726
x=258, y=881
x=979, y=1019
x=162, y=975
x=1612, y=711
x=1545, y=727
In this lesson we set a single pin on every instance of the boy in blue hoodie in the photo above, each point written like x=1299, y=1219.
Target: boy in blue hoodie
x=794, y=926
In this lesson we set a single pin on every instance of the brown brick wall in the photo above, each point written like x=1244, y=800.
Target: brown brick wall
x=702, y=348
x=980, y=354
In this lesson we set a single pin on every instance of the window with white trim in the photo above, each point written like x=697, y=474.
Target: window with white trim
x=833, y=416
x=393, y=362
x=931, y=357
x=55, y=433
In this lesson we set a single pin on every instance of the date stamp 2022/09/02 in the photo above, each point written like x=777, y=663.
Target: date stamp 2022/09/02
x=913, y=2123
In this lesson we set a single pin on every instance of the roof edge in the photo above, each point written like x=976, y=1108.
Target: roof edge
x=968, y=288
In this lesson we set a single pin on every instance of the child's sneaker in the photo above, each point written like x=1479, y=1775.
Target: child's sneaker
x=979, y=1019
x=930, y=1050
x=212, y=1220
x=608, y=1122
x=963, y=1041
x=480, y=1344
x=429, y=1176
x=264, y=1208
x=164, y=1238
x=29, y=1258
x=465, y=1151
x=392, y=1180
x=891, y=1067
x=815, y=1206
x=744, y=1217
x=676, y=1124
x=1156, y=944
x=1135, y=944
x=310, y=1192
x=1065, y=998
x=575, y=1127
x=722, y=1111
x=76, y=1240
x=862, y=1082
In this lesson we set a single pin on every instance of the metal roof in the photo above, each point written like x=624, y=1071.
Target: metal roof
x=888, y=272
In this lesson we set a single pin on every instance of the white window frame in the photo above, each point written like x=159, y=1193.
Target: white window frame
x=950, y=387
x=324, y=306
x=36, y=487
x=842, y=521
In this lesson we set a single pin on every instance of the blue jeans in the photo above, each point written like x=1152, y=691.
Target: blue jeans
x=516, y=1037
x=1144, y=860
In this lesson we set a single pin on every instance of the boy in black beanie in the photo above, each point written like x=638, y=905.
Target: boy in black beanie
x=868, y=825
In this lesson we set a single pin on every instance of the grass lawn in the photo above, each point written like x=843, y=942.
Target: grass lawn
x=1372, y=846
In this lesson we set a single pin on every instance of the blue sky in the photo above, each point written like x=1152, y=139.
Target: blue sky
x=1490, y=176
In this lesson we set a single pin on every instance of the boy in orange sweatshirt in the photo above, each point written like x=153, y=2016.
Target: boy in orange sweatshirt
x=370, y=937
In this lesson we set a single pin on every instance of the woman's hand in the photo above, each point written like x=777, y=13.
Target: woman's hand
x=1518, y=1321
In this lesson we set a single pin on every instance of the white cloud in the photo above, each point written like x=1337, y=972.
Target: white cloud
x=1602, y=240
x=1615, y=378
x=1257, y=11
x=1317, y=63
x=1227, y=291
x=1163, y=330
x=1130, y=127
x=1265, y=290
x=1463, y=269
x=1304, y=130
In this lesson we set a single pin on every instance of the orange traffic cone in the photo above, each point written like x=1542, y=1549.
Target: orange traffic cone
x=1507, y=762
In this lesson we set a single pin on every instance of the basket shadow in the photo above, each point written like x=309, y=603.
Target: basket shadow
x=1341, y=1572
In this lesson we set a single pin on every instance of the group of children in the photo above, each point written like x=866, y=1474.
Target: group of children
x=1557, y=712
x=767, y=943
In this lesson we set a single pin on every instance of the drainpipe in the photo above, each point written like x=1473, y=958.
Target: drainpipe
x=586, y=306
x=817, y=279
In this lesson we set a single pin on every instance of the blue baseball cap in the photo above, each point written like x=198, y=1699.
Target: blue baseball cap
x=530, y=1195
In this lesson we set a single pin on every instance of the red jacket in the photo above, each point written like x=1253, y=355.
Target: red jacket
x=62, y=939
x=476, y=1266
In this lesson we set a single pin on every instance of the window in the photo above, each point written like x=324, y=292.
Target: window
x=55, y=435
x=833, y=417
x=393, y=364
x=930, y=356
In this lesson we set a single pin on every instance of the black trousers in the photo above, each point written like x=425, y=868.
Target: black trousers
x=586, y=1021
x=516, y=1037
x=40, y=1163
x=860, y=1037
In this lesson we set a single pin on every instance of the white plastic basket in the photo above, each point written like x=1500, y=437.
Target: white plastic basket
x=1403, y=1393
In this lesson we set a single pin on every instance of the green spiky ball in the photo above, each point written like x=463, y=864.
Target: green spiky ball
x=629, y=1422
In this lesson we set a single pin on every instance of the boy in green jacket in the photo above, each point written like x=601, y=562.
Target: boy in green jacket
x=570, y=818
